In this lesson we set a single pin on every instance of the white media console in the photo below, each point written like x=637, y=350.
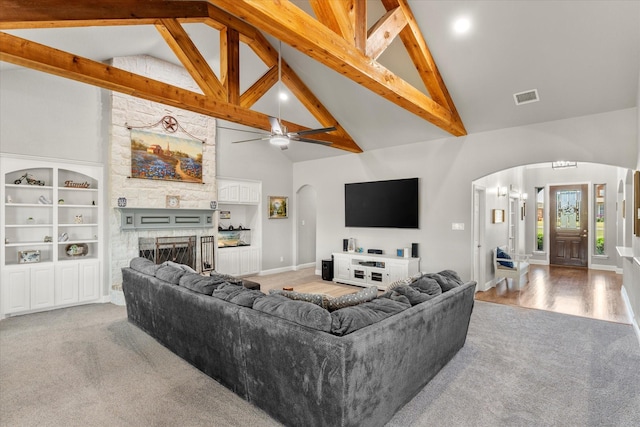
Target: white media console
x=361, y=269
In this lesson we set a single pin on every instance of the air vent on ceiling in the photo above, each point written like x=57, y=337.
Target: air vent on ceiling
x=526, y=97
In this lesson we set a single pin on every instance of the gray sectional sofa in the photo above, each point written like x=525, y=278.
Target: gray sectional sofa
x=301, y=363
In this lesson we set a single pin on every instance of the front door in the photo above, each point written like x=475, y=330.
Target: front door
x=568, y=225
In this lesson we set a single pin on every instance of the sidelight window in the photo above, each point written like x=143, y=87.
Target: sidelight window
x=599, y=209
x=539, y=219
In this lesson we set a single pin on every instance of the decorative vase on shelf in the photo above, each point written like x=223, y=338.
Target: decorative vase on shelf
x=351, y=246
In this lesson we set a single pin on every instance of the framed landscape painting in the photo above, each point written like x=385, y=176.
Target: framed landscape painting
x=278, y=207
x=165, y=157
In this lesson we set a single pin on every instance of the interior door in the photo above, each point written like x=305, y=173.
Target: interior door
x=568, y=225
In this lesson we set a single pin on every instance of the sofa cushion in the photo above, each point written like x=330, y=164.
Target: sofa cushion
x=300, y=312
x=502, y=254
x=350, y=319
x=427, y=284
x=406, y=281
x=200, y=284
x=236, y=294
x=450, y=280
x=185, y=267
x=364, y=295
x=407, y=294
x=144, y=265
x=221, y=277
x=317, y=299
x=170, y=274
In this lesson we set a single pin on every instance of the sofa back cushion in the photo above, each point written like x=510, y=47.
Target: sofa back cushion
x=236, y=294
x=144, y=265
x=408, y=294
x=170, y=274
x=198, y=283
x=300, y=312
x=350, y=319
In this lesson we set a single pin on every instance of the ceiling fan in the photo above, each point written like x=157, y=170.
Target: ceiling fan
x=279, y=135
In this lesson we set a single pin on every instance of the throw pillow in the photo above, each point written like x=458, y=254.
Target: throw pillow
x=185, y=267
x=300, y=312
x=427, y=284
x=317, y=299
x=502, y=254
x=406, y=281
x=364, y=295
x=350, y=319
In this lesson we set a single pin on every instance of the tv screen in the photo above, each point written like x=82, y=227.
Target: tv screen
x=386, y=204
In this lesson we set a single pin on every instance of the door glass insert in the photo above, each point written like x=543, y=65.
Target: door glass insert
x=568, y=209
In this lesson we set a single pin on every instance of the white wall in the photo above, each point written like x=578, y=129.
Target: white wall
x=305, y=220
x=48, y=116
x=446, y=169
x=260, y=161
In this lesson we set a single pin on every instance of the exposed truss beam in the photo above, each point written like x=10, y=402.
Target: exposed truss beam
x=43, y=58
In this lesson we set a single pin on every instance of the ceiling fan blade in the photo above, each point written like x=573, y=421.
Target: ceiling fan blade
x=243, y=130
x=312, y=131
x=252, y=139
x=275, y=126
x=313, y=141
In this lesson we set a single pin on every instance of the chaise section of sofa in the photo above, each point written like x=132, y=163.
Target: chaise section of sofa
x=277, y=353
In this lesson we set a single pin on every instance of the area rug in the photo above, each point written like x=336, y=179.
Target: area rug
x=519, y=367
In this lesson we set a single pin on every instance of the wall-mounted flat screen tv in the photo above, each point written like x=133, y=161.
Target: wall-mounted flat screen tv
x=385, y=204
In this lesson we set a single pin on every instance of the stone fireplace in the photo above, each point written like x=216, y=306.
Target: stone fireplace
x=150, y=194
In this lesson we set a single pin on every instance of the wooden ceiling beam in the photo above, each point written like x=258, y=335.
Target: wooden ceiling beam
x=33, y=55
x=187, y=52
x=285, y=21
x=346, y=18
x=425, y=64
x=384, y=32
x=20, y=14
x=259, y=88
x=230, y=63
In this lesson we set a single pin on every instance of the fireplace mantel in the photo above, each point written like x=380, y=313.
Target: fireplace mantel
x=164, y=219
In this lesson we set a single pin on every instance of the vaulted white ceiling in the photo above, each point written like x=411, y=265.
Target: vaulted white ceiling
x=583, y=57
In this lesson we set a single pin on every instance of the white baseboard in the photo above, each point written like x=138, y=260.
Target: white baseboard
x=276, y=270
x=488, y=285
x=634, y=322
x=603, y=267
x=538, y=261
x=302, y=266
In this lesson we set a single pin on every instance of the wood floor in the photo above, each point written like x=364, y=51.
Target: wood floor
x=577, y=291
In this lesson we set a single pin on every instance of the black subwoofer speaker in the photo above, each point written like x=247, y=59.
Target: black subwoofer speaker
x=414, y=250
x=327, y=269
x=345, y=245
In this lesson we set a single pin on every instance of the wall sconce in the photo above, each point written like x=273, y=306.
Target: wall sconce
x=502, y=191
x=524, y=196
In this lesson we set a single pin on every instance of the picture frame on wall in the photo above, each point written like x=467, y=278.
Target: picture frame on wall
x=498, y=216
x=278, y=207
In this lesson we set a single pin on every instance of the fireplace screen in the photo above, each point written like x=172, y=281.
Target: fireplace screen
x=180, y=249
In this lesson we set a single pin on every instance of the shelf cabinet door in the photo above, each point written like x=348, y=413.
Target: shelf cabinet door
x=341, y=267
x=229, y=261
x=66, y=283
x=16, y=292
x=249, y=260
x=396, y=271
x=42, y=287
x=89, y=285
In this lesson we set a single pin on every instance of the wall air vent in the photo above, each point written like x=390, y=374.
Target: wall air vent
x=526, y=97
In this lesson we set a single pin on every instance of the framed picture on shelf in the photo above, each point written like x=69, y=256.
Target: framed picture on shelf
x=278, y=207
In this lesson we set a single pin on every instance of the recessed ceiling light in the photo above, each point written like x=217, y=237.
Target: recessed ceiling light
x=283, y=96
x=462, y=25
